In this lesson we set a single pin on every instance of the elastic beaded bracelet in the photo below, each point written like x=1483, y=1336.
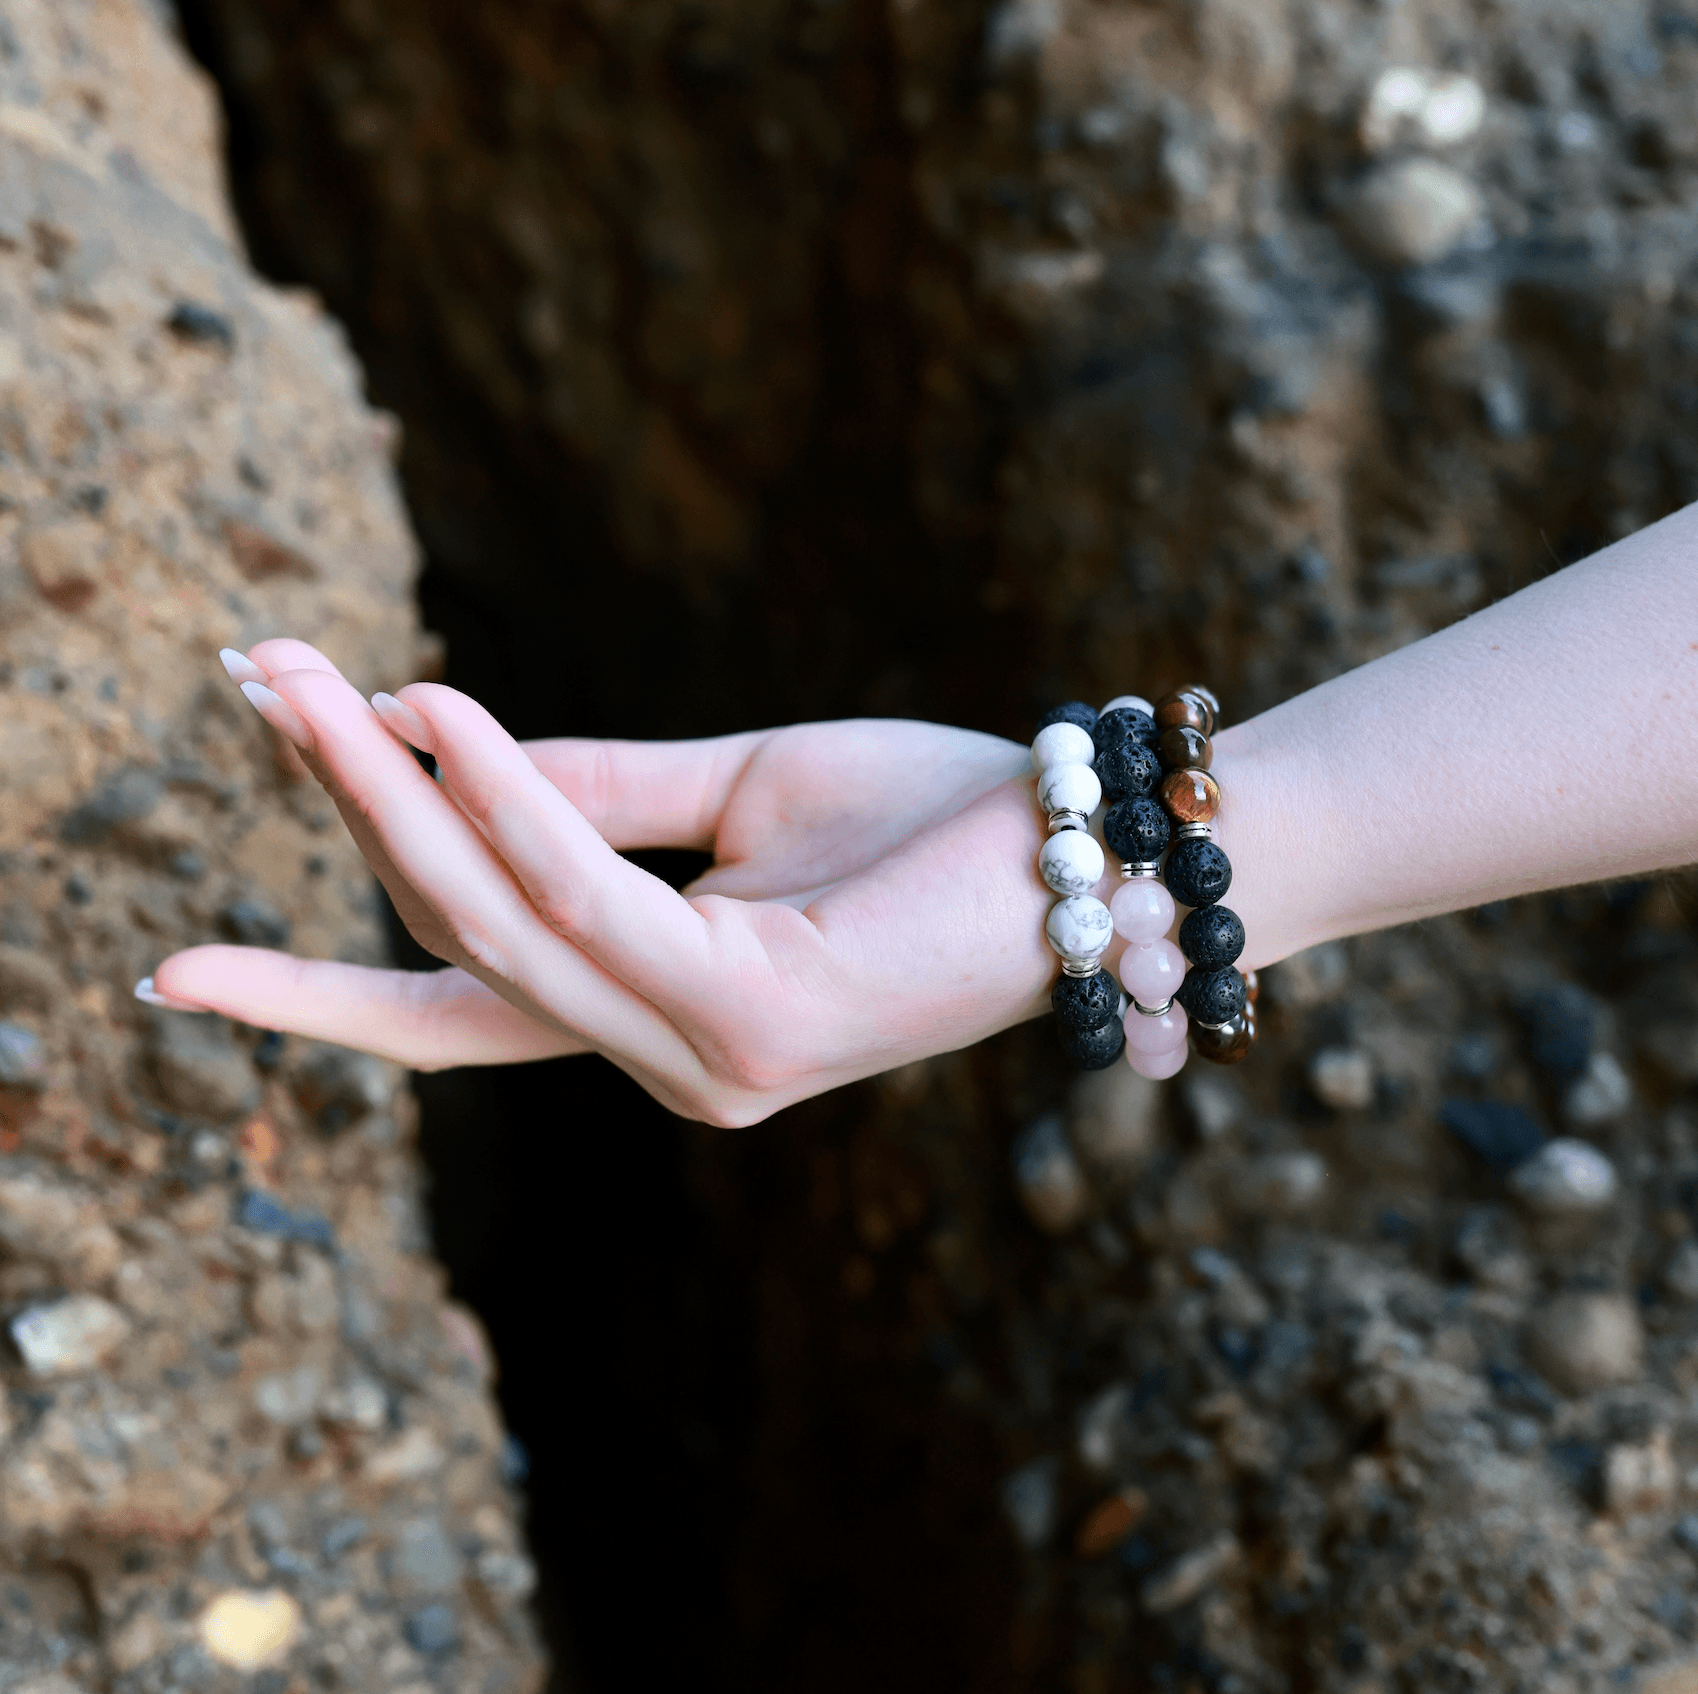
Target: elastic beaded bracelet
x=1218, y=998
x=1086, y=1000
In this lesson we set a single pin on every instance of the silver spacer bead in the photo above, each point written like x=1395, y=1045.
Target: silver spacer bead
x=1058, y=821
x=1193, y=832
x=1216, y=1027
x=1130, y=868
x=1155, y=1011
x=1081, y=967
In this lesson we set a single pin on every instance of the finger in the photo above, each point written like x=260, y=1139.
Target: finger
x=630, y=921
x=648, y=793
x=283, y=653
x=492, y=929
x=427, y=1020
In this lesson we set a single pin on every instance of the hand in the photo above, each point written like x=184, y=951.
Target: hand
x=872, y=898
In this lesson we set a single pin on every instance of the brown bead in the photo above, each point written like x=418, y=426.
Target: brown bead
x=1230, y=1043
x=1251, y=988
x=1185, y=748
x=1183, y=707
x=1190, y=796
x=1209, y=699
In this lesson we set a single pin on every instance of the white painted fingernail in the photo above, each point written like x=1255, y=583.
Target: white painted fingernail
x=240, y=666
x=149, y=995
x=405, y=722
x=278, y=713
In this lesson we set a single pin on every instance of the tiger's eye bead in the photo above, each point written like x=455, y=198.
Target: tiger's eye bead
x=1190, y=796
x=1185, y=748
x=1229, y=1045
x=1137, y=830
x=1215, y=996
x=1128, y=767
x=1075, y=711
x=1209, y=699
x=1093, y=1049
x=1198, y=873
x=1124, y=723
x=1211, y=936
x=1086, y=1002
x=1183, y=709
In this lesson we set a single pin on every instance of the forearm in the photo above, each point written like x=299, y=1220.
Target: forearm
x=1550, y=739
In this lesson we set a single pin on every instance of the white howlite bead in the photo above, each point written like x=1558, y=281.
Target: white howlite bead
x=1062, y=744
x=1071, y=862
x=1069, y=788
x=1079, y=927
x=1136, y=701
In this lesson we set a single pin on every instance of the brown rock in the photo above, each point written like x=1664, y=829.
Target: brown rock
x=1587, y=1341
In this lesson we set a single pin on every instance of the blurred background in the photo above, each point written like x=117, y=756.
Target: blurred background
x=762, y=360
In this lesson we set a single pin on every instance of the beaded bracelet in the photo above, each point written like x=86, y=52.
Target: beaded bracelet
x=1086, y=1000
x=1219, y=999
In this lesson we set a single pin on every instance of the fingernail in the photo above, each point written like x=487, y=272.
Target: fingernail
x=149, y=995
x=240, y=666
x=278, y=713
x=405, y=722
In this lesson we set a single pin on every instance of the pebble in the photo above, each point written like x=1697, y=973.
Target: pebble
x=1110, y=1522
x=1582, y=1342
x=1561, y=1024
x=358, y=1404
x=1680, y=1274
x=289, y=1397
x=1281, y=1184
x=1416, y=211
x=424, y=1560
x=266, y=1215
x=510, y=1575
x=1187, y=1577
x=1051, y=1184
x=433, y=1629
x=337, y=1087
x=1599, y=1096
x=341, y=1535
x=1502, y=1135
x=1638, y=1476
x=1565, y=1179
x=203, y=1072
x=1029, y=1501
x=1685, y=1533
x=1309, y=978
x=254, y=924
x=1112, y=1120
x=23, y=1059
x=1215, y=1102
x=73, y=1334
x=1343, y=1078
x=248, y=1631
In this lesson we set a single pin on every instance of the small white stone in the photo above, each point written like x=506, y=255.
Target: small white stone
x=1070, y=788
x=1135, y=702
x=1062, y=744
x=1071, y=862
x=73, y=1334
x=1601, y=1095
x=1079, y=927
x=1565, y=1179
x=1048, y=1176
x=1453, y=111
x=1343, y=1077
x=1416, y=211
x=1441, y=110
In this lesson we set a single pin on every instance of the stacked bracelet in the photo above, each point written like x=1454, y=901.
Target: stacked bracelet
x=1086, y=999
x=1218, y=998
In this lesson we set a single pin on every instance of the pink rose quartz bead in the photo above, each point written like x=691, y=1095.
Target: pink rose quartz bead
x=1156, y=1066
x=1155, y=1035
x=1142, y=910
x=1152, y=972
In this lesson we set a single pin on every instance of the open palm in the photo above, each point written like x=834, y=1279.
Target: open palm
x=871, y=898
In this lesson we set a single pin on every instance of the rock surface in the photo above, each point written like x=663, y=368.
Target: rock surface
x=184, y=1247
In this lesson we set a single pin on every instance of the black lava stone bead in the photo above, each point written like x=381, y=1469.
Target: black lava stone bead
x=1198, y=873
x=1128, y=767
x=1137, y=830
x=1086, y=1002
x=1093, y=1049
x=1212, y=996
x=1075, y=711
x=1211, y=936
x=1124, y=723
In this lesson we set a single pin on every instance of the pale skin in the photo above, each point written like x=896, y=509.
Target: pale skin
x=873, y=897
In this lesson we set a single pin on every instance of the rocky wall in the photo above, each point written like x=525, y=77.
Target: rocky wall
x=951, y=359
x=245, y=1441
